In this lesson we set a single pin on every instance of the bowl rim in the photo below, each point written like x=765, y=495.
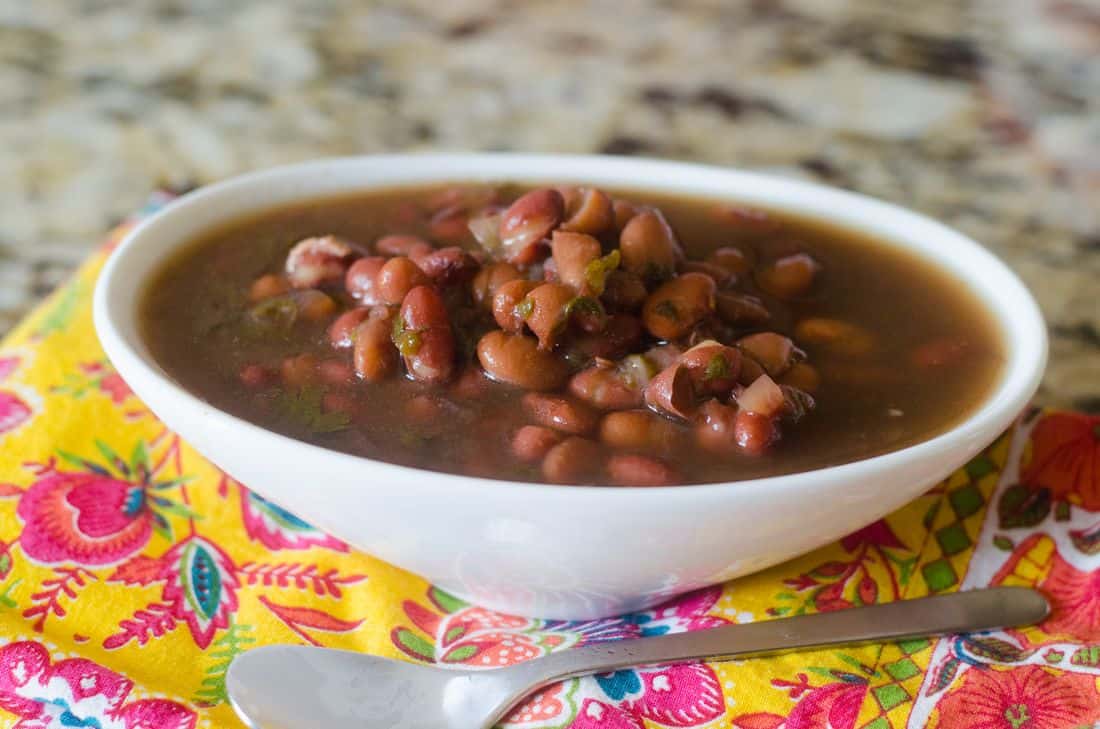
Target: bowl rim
x=1018, y=381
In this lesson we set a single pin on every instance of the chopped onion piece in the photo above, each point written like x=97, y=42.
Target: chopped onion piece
x=762, y=397
x=485, y=227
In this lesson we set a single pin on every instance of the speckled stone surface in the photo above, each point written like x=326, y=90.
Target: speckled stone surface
x=983, y=113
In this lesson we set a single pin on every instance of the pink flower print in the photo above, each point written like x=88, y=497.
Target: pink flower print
x=834, y=706
x=16, y=409
x=276, y=528
x=201, y=586
x=683, y=613
x=1075, y=598
x=90, y=519
x=76, y=692
x=598, y=715
x=1028, y=697
x=687, y=695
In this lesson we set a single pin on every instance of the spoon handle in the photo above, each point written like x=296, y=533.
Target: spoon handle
x=959, y=612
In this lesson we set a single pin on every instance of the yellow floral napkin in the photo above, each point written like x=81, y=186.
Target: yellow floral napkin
x=132, y=572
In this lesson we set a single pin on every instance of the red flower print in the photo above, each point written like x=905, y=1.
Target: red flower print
x=834, y=706
x=76, y=692
x=878, y=533
x=1075, y=602
x=1065, y=458
x=1028, y=697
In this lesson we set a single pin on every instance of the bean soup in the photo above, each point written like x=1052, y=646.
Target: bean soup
x=571, y=335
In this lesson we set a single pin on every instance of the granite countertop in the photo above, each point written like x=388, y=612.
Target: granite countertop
x=982, y=113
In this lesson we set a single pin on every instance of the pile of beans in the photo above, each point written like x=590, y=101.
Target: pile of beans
x=625, y=347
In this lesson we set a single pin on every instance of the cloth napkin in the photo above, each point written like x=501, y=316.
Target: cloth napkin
x=132, y=572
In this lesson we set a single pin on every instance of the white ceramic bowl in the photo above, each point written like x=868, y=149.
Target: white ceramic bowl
x=553, y=551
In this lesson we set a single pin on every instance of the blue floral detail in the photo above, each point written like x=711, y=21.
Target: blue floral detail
x=619, y=684
x=280, y=514
x=68, y=718
x=135, y=500
x=646, y=624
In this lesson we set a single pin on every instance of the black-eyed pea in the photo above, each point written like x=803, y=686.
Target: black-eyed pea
x=788, y=277
x=573, y=461
x=397, y=278
x=509, y=315
x=674, y=309
x=516, y=359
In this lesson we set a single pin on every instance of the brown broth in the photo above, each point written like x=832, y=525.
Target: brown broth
x=866, y=405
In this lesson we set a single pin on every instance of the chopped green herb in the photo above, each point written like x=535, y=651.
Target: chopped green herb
x=304, y=407
x=667, y=309
x=525, y=308
x=718, y=368
x=407, y=341
x=595, y=273
x=585, y=306
x=275, y=314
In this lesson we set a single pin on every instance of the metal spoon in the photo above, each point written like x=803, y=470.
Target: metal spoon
x=295, y=687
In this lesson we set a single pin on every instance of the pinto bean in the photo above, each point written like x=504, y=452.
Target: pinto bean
x=343, y=327
x=448, y=266
x=402, y=245
x=313, y=305
x=623, y=212
x=648, y=247
x=450, y=223
x=531, y=443
x=255, y=376
x=674, y=309
x=489, y=279
x=803, y=376
x=774, y=352
x=754, y=432
x=620, y=336
x=424, y=410
x=605, y=388
x=721, y=276
x=397, y=278
x=426, y=342
x=560, y=413
x=732, y=259
x=319, y=261
x=574, y=460
x=788, y=277
x=335, y=372
x=591, y=212
x=506, y=310
x=741, y=309
x=572, y=253
x=836, y=335
x=638, y=430
x=267, y=286
x=374, y=356
x=299, y=371
x=715, y=428
x=624, y=291
x=548, y=312
x=516, y=360
x=362, y=278
x=629, y=469
x=528, y=220
x=671, y=392
x=471, y=384
x=338, y=402
x=713, y=367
